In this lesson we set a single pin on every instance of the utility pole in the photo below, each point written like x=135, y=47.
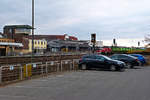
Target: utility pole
x=32, y=28
x=32, y=55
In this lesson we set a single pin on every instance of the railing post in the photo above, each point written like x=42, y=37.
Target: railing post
x=46, y=68
x=74, y=65
x=42, y=67
x=58, y=66
x=26, y=70
x=1, y=74
x=71, y=65
x=21, y=73
x=61, y=65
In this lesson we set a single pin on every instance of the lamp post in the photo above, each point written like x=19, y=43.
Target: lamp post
x=32, y=28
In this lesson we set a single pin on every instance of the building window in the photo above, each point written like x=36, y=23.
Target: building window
x=23, y=30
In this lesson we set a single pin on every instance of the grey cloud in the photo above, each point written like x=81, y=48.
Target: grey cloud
x=107, y=18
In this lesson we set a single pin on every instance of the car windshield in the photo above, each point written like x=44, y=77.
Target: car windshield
x=107, y=58
x=136, y=55
x=113, y=56
x=132, y=56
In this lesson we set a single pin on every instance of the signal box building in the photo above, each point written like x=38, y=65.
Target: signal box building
x=16, y=31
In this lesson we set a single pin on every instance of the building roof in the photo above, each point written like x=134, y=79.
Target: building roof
x=69, y=43
x=11, y=44
x=1, y=35
x=51, y=37
x=18, y=26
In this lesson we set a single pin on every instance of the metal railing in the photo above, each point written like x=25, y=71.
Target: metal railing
x=19, y=72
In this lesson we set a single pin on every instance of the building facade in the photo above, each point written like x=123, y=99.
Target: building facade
x=8, y=47
x=40, y=46
x=22, y=34
x=68, y=46
x=16, y=31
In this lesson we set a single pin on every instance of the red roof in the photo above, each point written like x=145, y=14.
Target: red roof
x=73, y=38
x=51, y=37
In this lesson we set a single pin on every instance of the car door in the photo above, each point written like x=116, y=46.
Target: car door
x=100, y=62
x=115, y=57
x=91, y=61
x=123, y=58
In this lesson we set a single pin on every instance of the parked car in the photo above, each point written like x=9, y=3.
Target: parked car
x=129, y=60
x=104, y=50
x=100, y=61
x=140, y=58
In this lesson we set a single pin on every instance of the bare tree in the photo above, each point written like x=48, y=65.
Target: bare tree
x=147, y=40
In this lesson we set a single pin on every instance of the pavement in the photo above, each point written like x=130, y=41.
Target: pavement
x=133, y=84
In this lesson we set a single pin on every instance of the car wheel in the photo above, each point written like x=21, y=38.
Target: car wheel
x=132, y=67
x=128, y=65
x=122, y=69
x=113, y=68
x=83, y=67
x=142, y=64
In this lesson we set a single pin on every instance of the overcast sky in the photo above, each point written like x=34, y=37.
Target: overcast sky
x=121, y=19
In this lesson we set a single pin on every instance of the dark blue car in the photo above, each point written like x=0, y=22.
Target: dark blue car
x=140, y=58
x=100, y=62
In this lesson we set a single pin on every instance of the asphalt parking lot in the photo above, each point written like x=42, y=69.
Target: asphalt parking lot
x=133, y=84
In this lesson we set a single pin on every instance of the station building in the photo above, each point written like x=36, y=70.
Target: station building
x=42, y=43
x=7, y=47
x=22, y=34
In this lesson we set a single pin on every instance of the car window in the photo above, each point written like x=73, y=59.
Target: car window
x=92, y=57
x=132, y=57
x=100, y=58
x=85, y=57
x=114, y=57
x=89, y=57
x=107, y=58
x=123, y=57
